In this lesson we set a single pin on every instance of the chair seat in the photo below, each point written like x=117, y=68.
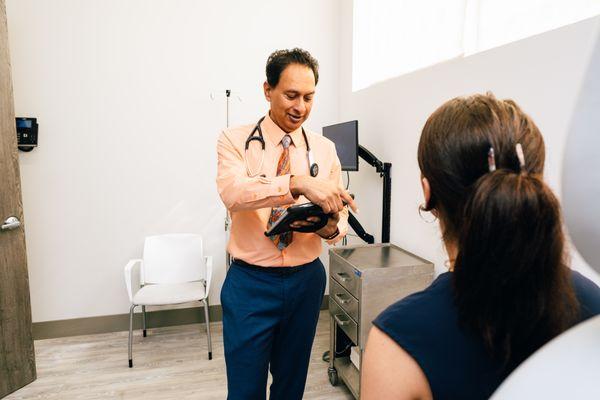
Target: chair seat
x=169, y=293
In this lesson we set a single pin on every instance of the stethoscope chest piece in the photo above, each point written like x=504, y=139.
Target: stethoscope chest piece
x=314, y=170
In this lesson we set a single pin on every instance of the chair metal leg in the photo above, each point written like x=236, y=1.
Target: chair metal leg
x=207, y=321
x=144, y=319
x=131, y=335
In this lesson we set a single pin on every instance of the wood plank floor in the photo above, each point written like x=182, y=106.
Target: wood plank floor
x=170, y=363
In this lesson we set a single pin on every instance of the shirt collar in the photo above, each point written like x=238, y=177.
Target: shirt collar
x=274, y=133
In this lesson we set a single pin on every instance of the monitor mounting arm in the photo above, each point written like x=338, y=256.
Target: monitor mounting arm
x=385, y=171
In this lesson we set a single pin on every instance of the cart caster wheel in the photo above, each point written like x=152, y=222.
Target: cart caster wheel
x=333, y=376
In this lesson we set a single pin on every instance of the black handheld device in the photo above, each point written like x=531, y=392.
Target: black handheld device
x=27, y=133
x=299, y=212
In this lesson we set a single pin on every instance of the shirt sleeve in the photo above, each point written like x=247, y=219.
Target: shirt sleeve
x=240, y=192
x=336, y=176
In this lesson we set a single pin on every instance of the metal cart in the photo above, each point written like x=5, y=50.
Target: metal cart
x=363, y=281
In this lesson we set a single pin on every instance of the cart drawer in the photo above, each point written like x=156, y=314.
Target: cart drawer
x=343, y=321
x=344, y=299
x=345, y=275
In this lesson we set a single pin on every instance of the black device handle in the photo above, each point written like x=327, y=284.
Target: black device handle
x=360, y=231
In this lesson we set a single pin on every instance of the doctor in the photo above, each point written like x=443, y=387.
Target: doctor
x=274, y=288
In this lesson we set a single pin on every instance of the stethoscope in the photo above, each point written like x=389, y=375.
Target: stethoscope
x=312, y=165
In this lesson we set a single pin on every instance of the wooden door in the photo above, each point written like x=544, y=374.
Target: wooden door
x=17, y=359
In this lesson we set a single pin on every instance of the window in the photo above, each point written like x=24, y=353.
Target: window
x=394, y=37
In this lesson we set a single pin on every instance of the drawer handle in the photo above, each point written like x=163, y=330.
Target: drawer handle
x=342, y=298
x=344, y=277
x=339, y=321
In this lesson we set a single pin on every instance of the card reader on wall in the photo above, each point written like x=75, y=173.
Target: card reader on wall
x=27, y=133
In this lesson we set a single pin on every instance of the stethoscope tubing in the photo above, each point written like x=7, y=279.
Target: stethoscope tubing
x=312, y=166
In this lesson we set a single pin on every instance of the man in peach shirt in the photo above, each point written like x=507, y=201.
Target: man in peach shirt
x=275, y=285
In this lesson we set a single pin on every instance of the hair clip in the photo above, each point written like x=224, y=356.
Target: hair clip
x=520, y=155
x=491, y=160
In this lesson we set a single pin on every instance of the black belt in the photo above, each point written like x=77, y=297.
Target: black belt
x=273, y=270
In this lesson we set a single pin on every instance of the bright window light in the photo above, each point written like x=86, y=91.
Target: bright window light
x=501, y=22
x=394, y=37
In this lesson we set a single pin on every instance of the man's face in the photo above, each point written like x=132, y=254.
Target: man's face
x=292, y=98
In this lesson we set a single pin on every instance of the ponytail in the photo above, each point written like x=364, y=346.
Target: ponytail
x=484, y=159
x=512, y=283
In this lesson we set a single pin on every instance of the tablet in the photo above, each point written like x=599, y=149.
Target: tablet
x=297, y=213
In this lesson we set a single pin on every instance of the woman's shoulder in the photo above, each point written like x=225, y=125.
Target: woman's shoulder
x=425, y=326
x=588, y=294
x=414, y=312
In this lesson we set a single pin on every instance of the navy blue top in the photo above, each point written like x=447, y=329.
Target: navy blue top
x=455, y=362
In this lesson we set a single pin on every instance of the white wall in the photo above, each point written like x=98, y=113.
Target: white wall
x=127, y=128
x=128, y=131
x=543, y=74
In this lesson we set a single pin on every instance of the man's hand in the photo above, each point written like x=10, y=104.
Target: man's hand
x=323, y=193
x=325, y=231
x=331, y=226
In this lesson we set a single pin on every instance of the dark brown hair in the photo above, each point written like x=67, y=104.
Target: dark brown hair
x=511, y=279
x=280, y=59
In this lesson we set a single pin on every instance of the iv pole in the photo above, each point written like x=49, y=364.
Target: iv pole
x=227, y=216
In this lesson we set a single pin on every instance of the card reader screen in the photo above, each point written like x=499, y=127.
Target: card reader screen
x=23, y=123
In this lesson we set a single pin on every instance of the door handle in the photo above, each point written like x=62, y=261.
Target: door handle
x=339, y=321
x=344, y=277
x=10, y=224
x=342, y=298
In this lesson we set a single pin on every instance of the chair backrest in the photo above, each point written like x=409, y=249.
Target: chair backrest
x=173, y=258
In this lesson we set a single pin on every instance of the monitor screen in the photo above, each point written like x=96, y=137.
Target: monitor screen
x=345, y=137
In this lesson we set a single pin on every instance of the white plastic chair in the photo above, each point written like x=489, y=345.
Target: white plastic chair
x=173, y=271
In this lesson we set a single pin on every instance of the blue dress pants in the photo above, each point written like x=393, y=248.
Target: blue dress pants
x=269, y=321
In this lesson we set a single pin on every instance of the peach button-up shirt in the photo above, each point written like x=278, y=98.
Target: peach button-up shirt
x=250, y=199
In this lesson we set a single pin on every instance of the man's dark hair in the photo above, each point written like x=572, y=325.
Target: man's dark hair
x=280, y=59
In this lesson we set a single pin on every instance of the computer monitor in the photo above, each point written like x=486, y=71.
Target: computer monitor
x=345, y=137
